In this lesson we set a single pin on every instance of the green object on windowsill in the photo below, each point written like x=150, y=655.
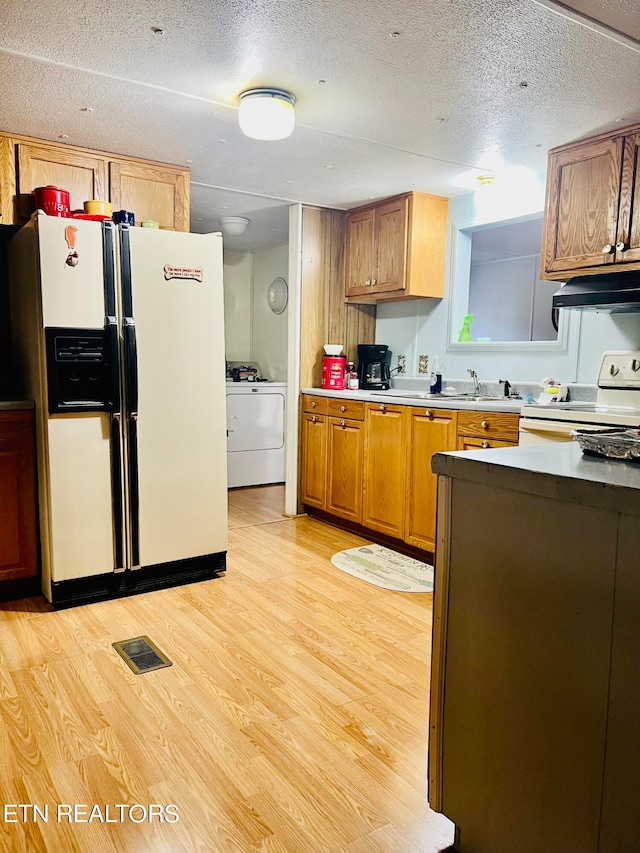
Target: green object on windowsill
x=465, y=332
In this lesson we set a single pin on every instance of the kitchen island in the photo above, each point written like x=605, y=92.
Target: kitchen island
x=535, y=702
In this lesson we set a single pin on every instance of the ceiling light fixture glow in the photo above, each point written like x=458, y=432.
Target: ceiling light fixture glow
x=267, y=113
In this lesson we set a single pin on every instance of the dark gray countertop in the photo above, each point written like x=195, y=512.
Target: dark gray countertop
x=559, y=471
x=11, y=405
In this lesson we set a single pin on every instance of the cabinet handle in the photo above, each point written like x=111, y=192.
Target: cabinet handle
x=621, y=247
x=608, y=249
x=313, y=404
x=485, y=424
x=368, y=282
x=313, y=419
x=343, y=408
x=484, y=445
x=428, y=413
x=383, y=408
x=343, y=424
x=374, y=281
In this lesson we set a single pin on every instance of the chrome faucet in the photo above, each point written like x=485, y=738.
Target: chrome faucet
x=477, y=387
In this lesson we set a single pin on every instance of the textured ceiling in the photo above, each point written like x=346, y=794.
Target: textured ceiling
x=415, y=94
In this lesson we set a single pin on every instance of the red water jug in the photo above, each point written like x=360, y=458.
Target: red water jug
x=333, y=367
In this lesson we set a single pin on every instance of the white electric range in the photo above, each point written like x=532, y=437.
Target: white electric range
x=617, y=404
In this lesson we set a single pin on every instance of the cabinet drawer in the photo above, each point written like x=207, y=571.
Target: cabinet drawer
x=474, y=442
x=488, y=423
x=315, y=405
x=339, y=408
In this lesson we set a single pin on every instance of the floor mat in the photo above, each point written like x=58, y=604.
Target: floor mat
x=386, y=568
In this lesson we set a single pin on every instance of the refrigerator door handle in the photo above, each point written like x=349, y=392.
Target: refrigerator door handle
x=134, y=491
x=116, y=490
x=130, y=366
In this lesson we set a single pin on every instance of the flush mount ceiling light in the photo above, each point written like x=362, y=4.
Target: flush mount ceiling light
x=234, y=225
x=267, y=113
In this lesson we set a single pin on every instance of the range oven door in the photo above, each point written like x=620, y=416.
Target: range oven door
x=540, y=431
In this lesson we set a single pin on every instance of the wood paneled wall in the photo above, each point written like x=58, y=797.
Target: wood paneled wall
x=324, y=315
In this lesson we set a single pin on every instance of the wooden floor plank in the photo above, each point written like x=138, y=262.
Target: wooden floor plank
x=293, y=718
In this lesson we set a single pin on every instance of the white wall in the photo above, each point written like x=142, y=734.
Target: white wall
x=419, y=327
x=237, y=272
x=269, y=329
x=252, y=331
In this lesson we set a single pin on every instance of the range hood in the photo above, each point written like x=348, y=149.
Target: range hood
x=611, y=292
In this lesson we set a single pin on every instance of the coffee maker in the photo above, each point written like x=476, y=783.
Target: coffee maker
x=374, y=366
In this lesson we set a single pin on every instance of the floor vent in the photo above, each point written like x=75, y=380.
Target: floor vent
x=141, y=655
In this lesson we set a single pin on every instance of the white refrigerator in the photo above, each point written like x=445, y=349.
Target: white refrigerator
x=118, y=337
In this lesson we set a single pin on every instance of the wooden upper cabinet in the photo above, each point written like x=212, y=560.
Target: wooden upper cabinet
x=628, y=234
x=592, y=215
x=83, y=175
x=391, y=241
x=359, y=255
x=151, y=192
x=396, y=249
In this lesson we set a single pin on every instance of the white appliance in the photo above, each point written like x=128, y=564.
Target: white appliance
x=119, y=339
x=617, y=404
x=256, y=433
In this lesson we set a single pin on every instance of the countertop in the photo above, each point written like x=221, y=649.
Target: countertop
x=498, y=405
x=560, y=471
x=12, y=405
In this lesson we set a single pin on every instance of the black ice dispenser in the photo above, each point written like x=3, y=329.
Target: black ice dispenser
x=82, y=370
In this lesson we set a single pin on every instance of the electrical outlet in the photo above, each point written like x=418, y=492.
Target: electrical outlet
x=423, y=364
x=402, y=364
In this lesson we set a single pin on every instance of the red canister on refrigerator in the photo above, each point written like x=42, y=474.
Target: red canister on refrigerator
x=53, y=200
x=333, y=367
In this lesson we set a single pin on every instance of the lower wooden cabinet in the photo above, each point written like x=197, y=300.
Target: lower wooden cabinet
x=474, y=442
x=332, y=455
x=483, y=430
x=370, y=463
x=18, y=537
x=429, y=431
x=345, y=440
x=384, y=469
x=314, y=460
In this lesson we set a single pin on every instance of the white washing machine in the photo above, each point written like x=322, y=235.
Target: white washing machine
x=255, y=433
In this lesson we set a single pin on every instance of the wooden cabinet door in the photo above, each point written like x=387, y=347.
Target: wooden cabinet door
x=628, y=235
x=18, y=540
x=314, y=461
x=346, y=446
x=384, y=469
x=391, y=243
x=583, y=188
x=428, y=432
x=83, y=175
x=151, y=192
x=359, y=261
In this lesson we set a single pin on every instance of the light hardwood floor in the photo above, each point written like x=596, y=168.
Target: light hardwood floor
x=293, y=719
